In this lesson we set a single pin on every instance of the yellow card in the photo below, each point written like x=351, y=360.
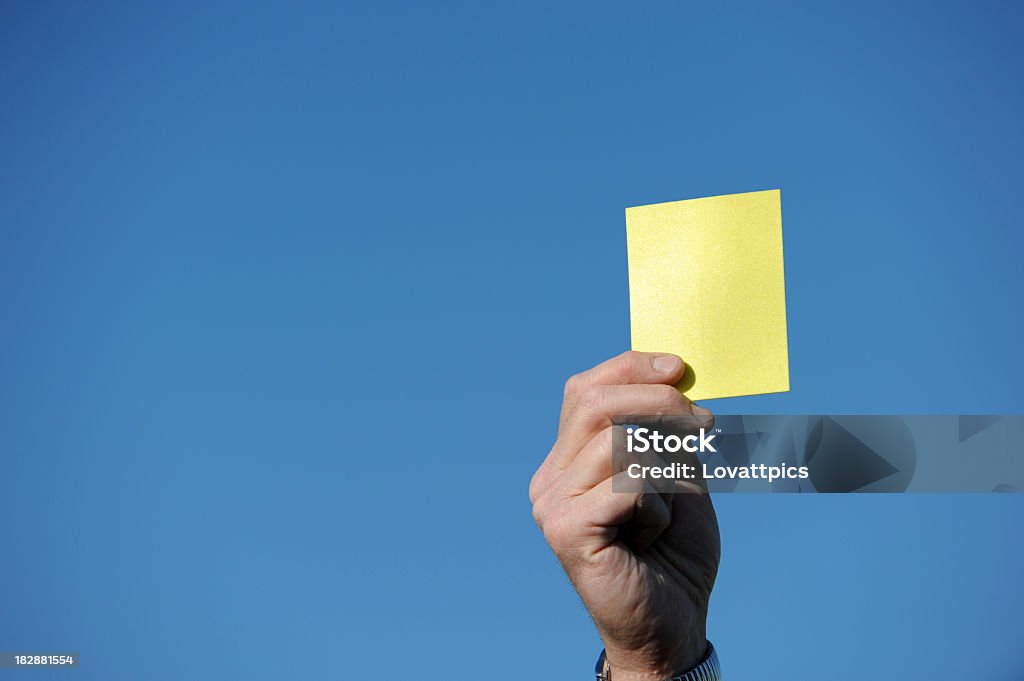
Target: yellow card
x=706, y=283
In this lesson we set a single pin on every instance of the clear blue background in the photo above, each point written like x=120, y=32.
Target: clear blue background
x=288, y=292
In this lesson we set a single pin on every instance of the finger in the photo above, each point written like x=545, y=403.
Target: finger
x=600, y=403
x=637, y=517
x=705, y=417
x=588, y=469
x=603, y=456
x=629, y=367
x=595, y=461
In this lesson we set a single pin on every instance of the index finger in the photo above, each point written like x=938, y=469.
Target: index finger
x=631, y=367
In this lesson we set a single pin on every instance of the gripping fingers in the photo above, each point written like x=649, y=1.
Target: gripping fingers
x=630, y=367
x=579, y=528
x=595, y=409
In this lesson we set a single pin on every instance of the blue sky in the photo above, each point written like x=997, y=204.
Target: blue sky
x=289, y=294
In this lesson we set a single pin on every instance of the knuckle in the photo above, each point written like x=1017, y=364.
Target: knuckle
x=538, y=516
x=667, y=396
x=603, y=445
x=592, y=399
x=559, y=531
x=536, y=483
x=630, y=364
x=540, y=512
x=573, y=386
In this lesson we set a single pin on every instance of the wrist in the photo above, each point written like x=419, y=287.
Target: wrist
x=634, y=665
x=707, y=669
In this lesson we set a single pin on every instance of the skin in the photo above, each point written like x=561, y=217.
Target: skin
x=644, y=564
